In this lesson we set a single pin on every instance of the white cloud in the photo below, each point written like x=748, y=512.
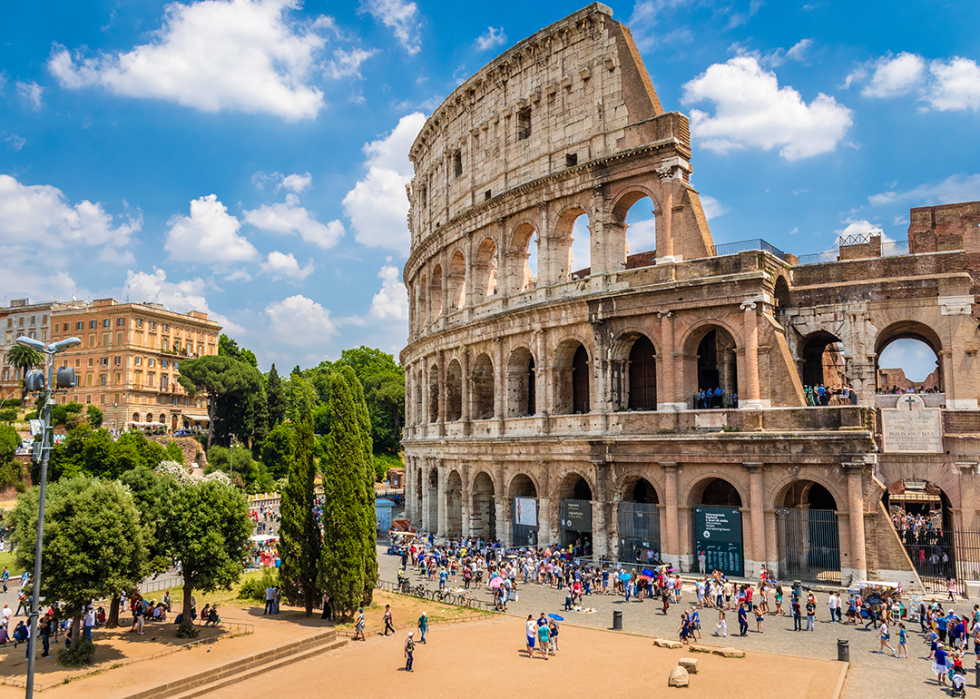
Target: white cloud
x=208, y=236
x=895, y=76
x=400, y=16
x=493, y=37
x=290, y=218
x=713, y=208
x=391, y=301
x=378, y=205
x=955, y=188
x=276, y=181
x=15, y=141
x=32, y=93
x=751, y=110
x=214, y=55
x=280, y=265
x=956, y=85
x=640, y=236
x=40, y=216
x=861, y=228
x=183, y=296
x=298, y=320
x=799, y=49
x=297, y=183
x=347, y=64
x=645, y=18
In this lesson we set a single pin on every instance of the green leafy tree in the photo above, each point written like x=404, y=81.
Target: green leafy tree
x=94, y=416
x=206, y=531
x=9, y=415
x=275, y=398
x=300, y=541
x=277, y=451
x=343, y=507
x=24, y=358
x=173, y=452
x=220, y=377
x=94, y=543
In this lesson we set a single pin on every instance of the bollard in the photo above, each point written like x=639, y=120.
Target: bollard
x=976, y=667
x=843, y=651
x=617, y=621
x=798, y=589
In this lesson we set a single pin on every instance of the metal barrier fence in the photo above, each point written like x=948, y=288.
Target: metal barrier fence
x=939, y=556
x=422, y=592
x=808, y=542
x=639, y=529
x=742, y=246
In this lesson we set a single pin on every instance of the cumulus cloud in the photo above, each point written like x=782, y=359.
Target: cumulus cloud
x=291, y=218
x=276, y=181
x=860, y=228
x=209, y=235
x=713, y=208
x=299, y=320
x=280, y=265
x=400, y=16
x=297, y=183
x=181, y=296
x=943, y=85
x=646, y=16
x=378, y=205
x=32, y=93
x=214, y=55
x=493, y=37
x=753, y=111
x=954, y=188
x=391, y=301
x=347, y=64
x=41, y=216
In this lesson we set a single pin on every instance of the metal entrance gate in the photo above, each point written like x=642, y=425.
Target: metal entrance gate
x=940, y=555
x=576, y=525
x=809, y=545
x=639, y=530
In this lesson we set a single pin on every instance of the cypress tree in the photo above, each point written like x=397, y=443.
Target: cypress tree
x=300, y=541
x=369, y=518
x=275, y=399
x=343, y=498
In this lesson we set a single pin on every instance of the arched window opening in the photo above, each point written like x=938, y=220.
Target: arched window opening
x=434, y=394
x=521, y=384
x=482, y=388
x=580, y=252
x=457, y=282
x=418, y=400
x=435, y=291
x=720, y=493
x=824, y=366
x=642, y=370
x=523, y=261
x=572, y=390
x=423, y=308
x=580, y=381
x=717, y=370
x=781, y=294
x=635, y=213
x=454, y=391
x=909, y=365
x=485, y=271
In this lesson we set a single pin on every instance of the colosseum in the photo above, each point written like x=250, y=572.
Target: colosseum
x=563, y=403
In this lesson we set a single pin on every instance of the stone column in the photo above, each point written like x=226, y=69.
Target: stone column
x=424, y=518
x=502, y=504
x=441, y=501
x=600, y=536
x=545, y=268
x=504, y=261
x=465, y=497
x=499, y=389
x=444, y=285
x=667, y=379
x=442, y=386
x=662, y=222
x=409, y=490
x=749, y=397
x=464, y=363
x=544, y=522
x=855, y=514
x=757, y=512
x=670, y=544
x=468, y=280
x=542, y=404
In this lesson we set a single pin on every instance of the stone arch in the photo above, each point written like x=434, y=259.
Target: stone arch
x=454, y=503
x=574, y=484
x=716, y=489
x=435, y=291
x=457, y=281
x=634, y=373
x=423, y=302
x=523, y=484
x=908, y=330
x=519, y=257
x=781, y=293
x=454, y=391
x=808, y=531
x=434, y=396
x=482, y=388
x=561, y=241
x=639, y=245
x=430, y=521
x=781, y=491
x=637, y=517
x=710, y=361
x=573, y=366
x=417, y=387
x=649, y=491
x=521, y=383
x=483, y=515
x=484, y=270
x=821, y=358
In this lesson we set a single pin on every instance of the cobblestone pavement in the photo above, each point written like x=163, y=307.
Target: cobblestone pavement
x=871, y=675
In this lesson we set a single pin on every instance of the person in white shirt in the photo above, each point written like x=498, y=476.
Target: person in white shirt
x=5, y=615
x=834, y=603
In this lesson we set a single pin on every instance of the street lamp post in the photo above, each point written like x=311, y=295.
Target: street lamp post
x=36, y=383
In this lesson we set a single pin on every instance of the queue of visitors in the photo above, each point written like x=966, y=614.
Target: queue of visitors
x=820, y=395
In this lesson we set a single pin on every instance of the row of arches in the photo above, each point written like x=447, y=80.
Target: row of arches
x=524, y=259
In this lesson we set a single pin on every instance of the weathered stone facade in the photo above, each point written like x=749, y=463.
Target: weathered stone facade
x=582, y=386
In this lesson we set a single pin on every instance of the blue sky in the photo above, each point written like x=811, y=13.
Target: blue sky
x=248, y=158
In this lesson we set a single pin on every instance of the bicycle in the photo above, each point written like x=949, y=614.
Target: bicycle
x=420, y=591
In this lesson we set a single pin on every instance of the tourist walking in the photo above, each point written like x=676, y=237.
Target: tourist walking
x=532, y=632
x=423, y=626
x=410, y=651
x=544, y=639
x=903, y=641
x=388, y=619
x=743, y=621
x=359, y=626
x=884, y=636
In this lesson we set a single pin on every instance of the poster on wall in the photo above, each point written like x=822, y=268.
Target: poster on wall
x=576, y=515
x=526, y=512
x=718, y=533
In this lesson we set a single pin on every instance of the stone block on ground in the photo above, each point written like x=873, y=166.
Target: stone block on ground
x=689, y=664
x=678, y=677
x=698, y=649
x=729, y=652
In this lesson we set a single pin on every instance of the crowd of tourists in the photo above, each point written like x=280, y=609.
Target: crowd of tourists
x=820, y=395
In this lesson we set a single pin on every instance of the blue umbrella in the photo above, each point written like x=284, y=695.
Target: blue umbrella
x=624, y=576
x=647, y=572
x=556, y=617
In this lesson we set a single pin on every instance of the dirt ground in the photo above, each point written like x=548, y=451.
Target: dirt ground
x=488, y=659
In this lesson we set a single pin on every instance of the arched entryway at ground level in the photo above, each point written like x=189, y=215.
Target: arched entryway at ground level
x=718, y=526
x=575, y=509
x=483, y=513
x=922, y=515
x=638, y=521
x=454, y=504
x=808, y=533
x=525, y=515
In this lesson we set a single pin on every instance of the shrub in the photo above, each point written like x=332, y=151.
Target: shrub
x=9, y=415
x=187, y=630
x=77, y=655
x=254, y=586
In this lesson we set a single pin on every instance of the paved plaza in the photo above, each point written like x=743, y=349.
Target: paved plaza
x=871, y=675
